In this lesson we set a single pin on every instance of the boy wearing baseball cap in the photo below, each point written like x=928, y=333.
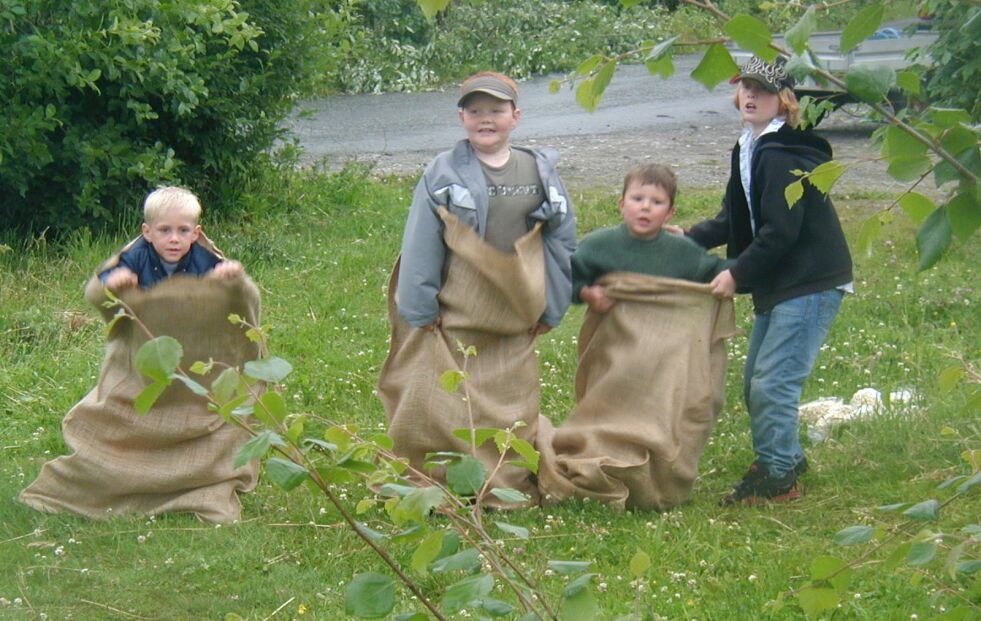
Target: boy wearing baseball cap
x=485, y=261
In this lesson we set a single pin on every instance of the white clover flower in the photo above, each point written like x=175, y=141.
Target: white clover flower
x=752, y=577
x=601, y=587
x=141, y=539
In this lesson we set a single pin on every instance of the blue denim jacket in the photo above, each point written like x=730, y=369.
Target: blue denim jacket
x=140, y=257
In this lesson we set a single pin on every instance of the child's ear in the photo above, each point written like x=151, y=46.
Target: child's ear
x=196, y=233
x=146, y=231
x=670, y=213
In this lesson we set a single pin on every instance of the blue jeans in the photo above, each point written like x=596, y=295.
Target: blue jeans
x=782, y=349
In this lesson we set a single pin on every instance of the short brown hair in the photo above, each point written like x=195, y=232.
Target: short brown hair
x=652, y=174
x=788, y=107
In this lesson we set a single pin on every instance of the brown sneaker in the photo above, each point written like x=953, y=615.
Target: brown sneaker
x=758, y=487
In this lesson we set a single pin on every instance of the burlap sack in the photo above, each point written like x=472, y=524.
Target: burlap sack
x=177, y=458
x=489, y=300
x=649, y=386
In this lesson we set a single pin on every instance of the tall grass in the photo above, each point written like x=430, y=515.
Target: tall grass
x=322, y=264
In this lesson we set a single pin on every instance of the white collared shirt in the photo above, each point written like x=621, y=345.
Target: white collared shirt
x=747, y=145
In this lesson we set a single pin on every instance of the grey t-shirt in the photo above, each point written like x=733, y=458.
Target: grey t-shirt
x=515, y=190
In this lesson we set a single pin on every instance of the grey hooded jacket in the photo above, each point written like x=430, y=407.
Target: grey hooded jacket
x=454, y=179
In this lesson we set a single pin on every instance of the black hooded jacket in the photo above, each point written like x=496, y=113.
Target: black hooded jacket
x=796, y=251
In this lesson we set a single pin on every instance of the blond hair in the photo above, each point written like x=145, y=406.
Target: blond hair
x=168, y=198
x=652, y=174
x=788, y=107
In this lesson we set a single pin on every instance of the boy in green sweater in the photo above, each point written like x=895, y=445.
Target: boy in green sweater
x=637, y=244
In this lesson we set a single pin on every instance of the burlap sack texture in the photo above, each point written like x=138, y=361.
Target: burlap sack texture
x=489, y=300
x=649, y=386
x=179, y=457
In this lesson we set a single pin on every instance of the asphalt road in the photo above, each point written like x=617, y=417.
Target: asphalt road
x=347, y=126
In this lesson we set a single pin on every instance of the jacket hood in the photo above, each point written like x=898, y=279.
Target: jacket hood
x=803, y=143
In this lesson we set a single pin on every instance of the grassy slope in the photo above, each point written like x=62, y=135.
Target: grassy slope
x=323, y=268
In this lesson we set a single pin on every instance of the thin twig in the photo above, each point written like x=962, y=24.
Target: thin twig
x=33, y=533
x=281, y=606
x=112, y=609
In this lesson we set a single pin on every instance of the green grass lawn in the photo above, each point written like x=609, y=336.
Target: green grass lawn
x=322, y=266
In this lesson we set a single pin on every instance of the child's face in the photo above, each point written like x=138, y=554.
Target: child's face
x=757, y=106
x=645, y=208
x=171, y=234
x=488, y=122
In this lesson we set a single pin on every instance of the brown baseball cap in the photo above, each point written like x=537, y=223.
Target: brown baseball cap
x=491, y=85
x=773, y=76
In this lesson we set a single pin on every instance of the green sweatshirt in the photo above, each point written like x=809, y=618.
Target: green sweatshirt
x=614, y=250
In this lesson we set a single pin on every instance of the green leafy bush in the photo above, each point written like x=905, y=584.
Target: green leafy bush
x=956, y=79
x=106, y=100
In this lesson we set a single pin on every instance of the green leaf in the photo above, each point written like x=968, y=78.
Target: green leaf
x=427, y=551
x=831, y=569
x=640, y=563
x=431, y=7
x=374, y=535
x=909, y=168
x=870, y=83
x=854, y=535
x=508, y=495
x=568, y=568
x=370, y=596
x=255, y=448
x=974, y=480
x=271, y=369
x=284, y=473
x=495, y=607
x=202, y=368
x=466, y=560
x=518, y=531
x=800, y=33
x=793, y=193
x=958, y=139
x=148, y=396
x=964, y=214
x=480, y=435
x=815, y=600
x=466, y=592
x=578, y=585
x=450, y=381
x=890, y=508
x=663, y=67
x=554, y=86
x=272, y=408
x=897, y=556
x=417, y=504
x=921, y=554
x=466, y=476
x=751, y=34
x=933, y=238
x=952, y=481
x=586, y=67
x=868, y=234
x=225, y=385
x=926, y=510
x=660, y=51
x=909, y=81
x=716, y=66
x=917, y=206
x=861, y=27
x=824, y=176
x=528, y=453
x=411, y=616
x=949, y=117
x=969, y=567
x=580, y=606
x=158, y=358
x=950, y=377
x=900, y=143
